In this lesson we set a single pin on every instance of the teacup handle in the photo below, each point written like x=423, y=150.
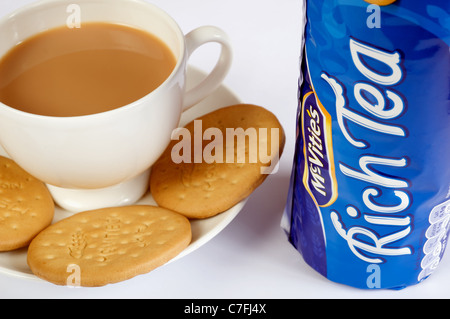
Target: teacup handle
x=194, y=40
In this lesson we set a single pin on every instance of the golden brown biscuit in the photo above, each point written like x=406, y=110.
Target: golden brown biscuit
x=381, y=2
x=108, y=245
x=26, y=206
x=218, y=173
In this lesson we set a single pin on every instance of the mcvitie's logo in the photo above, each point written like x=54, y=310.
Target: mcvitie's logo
x=319, y=177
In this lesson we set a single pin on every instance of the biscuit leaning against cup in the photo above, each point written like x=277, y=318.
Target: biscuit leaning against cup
x=210, y=180
x=103, y=159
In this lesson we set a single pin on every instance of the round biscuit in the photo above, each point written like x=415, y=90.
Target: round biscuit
x=108, y=245
x=202, y=188
x=26, y=206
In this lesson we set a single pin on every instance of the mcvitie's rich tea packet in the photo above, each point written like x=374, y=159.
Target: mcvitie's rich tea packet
x=369, y=202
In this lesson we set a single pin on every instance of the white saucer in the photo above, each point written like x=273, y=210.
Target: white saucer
x=14, y=263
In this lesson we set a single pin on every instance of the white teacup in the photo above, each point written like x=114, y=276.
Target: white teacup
x=104, y=159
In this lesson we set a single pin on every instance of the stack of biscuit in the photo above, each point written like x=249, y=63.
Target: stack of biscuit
x=108, y=245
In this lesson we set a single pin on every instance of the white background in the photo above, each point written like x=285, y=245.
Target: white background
x=251, y=258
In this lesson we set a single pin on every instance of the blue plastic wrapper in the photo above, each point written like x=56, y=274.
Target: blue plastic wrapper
x=369, y=202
